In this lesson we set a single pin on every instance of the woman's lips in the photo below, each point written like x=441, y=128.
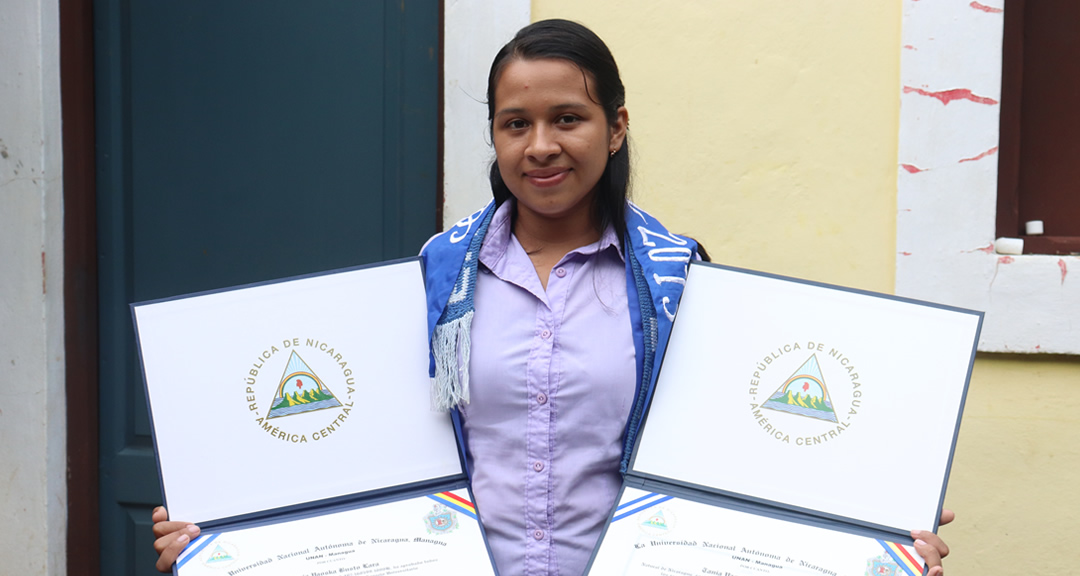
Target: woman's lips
x=547, y=176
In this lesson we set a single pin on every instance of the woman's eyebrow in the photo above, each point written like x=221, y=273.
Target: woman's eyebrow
x=568, y=106
x=555, y=108
x=514, y=111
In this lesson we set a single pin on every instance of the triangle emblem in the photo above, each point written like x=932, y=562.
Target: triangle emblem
x=219, y=555
x=804, y=393
x=300, y=390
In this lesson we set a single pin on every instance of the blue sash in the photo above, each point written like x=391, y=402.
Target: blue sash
x=656, y=263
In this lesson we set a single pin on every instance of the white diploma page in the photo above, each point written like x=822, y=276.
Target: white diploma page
x=435, y=534
x=293, y=392
x=839, y=403
x=655, y=534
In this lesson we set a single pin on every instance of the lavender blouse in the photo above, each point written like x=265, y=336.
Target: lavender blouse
x=552, y=382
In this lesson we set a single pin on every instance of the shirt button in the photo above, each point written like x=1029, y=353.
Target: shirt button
x=560, y=272
x=538, y=534
x=541, y=398
x=545, y=334
x=538, y=466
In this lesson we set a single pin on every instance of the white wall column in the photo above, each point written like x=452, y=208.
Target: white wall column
x=473, y=32
x=33, y=489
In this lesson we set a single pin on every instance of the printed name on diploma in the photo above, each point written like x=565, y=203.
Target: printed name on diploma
x=750, y=557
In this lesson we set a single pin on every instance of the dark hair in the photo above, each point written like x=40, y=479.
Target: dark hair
x=570, y=41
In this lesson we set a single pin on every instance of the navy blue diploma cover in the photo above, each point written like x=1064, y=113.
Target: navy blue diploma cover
x=806, y=403
x=294, y=400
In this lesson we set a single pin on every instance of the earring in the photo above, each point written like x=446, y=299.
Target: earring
x=613, y=151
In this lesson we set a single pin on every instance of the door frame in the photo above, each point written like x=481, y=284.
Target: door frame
x=80, y=285
x=81, y=319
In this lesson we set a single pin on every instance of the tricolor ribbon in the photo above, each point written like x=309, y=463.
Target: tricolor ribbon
x=451, y=500
x=902, y=557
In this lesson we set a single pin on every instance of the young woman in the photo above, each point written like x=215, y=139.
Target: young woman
x=549, y=309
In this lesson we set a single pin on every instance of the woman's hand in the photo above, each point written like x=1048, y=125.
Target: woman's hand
x=931, y=547
x=171, y=538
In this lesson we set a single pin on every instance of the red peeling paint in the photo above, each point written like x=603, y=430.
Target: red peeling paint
x=987, y=9
x=1038, y=346
x=1006, y=260
x=988, y=249
x=909, y=47
x=905, y=253
x=980, y=156
x=1064, y=269
x=913, y=169
x=947, y=96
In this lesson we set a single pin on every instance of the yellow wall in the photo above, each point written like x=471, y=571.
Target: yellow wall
x=769, y=119
x=1016, y=471
x=769, y=131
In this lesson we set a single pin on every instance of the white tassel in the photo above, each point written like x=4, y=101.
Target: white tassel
x=450, y=345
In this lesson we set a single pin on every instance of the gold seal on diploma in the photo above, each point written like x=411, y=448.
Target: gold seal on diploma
x=805, y=393
x=320, y=380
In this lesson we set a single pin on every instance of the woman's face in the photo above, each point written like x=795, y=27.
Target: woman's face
x=552, y=140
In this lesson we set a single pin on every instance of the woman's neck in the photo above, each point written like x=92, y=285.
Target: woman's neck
x=548, y=240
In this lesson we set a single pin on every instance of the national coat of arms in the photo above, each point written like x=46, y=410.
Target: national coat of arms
x=804, y=393
x=441, y=520
x=882, y=566
x=300, y=390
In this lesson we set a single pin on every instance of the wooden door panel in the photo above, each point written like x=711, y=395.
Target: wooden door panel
x=239, y=142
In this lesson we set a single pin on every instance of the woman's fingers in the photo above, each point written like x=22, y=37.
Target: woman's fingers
x=162, y=526
x=167, y=537
x=172, y=537
x=162, y=529
x=932, y=549
x=171, y=545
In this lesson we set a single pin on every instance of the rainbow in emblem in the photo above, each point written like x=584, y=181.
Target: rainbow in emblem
x=300, y=391
x=804, y=393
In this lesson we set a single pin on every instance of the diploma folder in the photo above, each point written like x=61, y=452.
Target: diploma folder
x=292, y=421
x=796, y=427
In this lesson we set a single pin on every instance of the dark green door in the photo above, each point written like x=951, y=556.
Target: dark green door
x=241, y=141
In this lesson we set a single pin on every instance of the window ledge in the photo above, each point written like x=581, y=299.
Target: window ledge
x=947, y=187
x=1059, y=245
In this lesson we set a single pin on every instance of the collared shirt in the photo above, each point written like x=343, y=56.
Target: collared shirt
x=552, y=381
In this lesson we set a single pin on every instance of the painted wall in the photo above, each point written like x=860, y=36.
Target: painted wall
x=1017, y=468
x=33, y=492
x=766, y=129
x=950, y=70
x=473, y=31
x=769, y=130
